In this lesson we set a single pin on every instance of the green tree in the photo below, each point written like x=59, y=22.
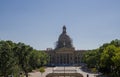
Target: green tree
x=115, y=42
x=42, y=70
x=44, y=58
x=35, y=59
x=106, y=59
x=23, y=54
x=91, y=58
x=116, y=60
x=7, y=61
x=18, y=57
x=38, y=59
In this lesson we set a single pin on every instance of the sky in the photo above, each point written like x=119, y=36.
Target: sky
x=38, y=23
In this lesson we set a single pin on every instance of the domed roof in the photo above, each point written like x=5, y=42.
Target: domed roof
x=64, y=40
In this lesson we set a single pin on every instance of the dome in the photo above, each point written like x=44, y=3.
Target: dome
x=64, y=40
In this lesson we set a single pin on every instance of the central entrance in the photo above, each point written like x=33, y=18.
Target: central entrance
x=64, y=56
x=64, y=59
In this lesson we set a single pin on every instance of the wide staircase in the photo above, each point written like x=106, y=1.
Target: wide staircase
x=64, y=72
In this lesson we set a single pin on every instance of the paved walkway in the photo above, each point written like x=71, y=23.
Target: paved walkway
x=60, y=70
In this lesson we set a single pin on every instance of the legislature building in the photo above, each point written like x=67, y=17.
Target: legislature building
x=64, y=52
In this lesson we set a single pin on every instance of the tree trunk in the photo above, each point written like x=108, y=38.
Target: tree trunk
x=26, y=74
x=5, y=75
x=25, y=70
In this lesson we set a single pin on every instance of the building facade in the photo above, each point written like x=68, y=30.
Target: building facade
x=64, y=52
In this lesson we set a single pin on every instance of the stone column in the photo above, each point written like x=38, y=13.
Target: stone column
x=62, y=58
x=58, y=58
x=65, y=58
